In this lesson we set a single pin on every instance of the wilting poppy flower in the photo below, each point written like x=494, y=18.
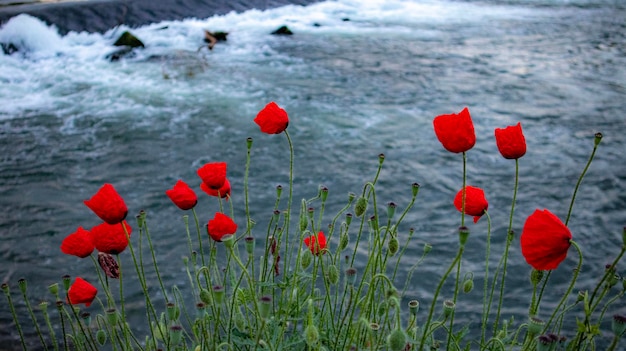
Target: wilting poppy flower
x=182, y=196
x=81, y=292
x=545, y=240
x=455, y=131
x=213, y=174
x=510, y=141
x=110, y=238
x=222, y=192
x=220, y=226
x=316, y=243
x=475, y=202
x=108, y=205
x=109, y=265
x=272, y=119
x=78, y=243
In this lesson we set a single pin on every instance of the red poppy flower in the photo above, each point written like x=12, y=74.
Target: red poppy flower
x=223, y=192
x=81, y=292
x=220, y=226
x=455, y=131
x=316, y=243
x=78, y=243
x=545, y=240
x=213, y=174
x=272, y=119
x=108, y=205
x=475, y=202
x=511, y=141
x=182, y=196
x=110, y=238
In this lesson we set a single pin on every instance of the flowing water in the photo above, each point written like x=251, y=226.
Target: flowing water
x=358, y=78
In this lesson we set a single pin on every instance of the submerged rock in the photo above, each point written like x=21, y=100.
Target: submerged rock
x=213, y=37
x=9, y=48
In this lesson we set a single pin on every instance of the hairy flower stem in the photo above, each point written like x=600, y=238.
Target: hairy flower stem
x=34, y=319
x=245, y=187
x=7, y=293
x=570, y=287
x=437, y=291
x=463, y=189
x=582, y=175
x=486, y=304
x=195, y=217
x=287, y=262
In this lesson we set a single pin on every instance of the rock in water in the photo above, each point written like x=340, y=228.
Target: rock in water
x=283, y=30
x=127, y=39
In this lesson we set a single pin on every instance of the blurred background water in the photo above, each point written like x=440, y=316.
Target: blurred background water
x=358, y=78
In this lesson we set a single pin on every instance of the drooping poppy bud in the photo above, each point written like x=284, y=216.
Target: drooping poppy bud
x=182, y=196
x=545, y=240
x=272, y=119
x=108, y=205
x=213, y=174
x=510, y=141
x=316, y=243
x=110, y=238
x=455, y=131
x=223, y=192
x=220, y=226
x=81, y=292
x=475, y=202
x=79, y=243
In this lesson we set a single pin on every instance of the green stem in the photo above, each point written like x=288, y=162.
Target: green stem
x=582, y=175
x=7, y=293
x=571, y=285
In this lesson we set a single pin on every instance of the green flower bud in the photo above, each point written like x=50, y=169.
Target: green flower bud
x=249, y=240
x=391, y=210
x=597, y=139
x=22, y=285
x=351, y=276
x=101, y=337
x=172, y=311
x=111, y=316
x=304, y=222
x=218, y=293
x=360, y=207
x=415, y=188
x=427, y=248
x=333, y=274
x=396, y=341
x=468, y=283
x=67, y=282
x=393, y=245
x=414, y=307
x=618, y=325
x=43, y=305
x=348, y=219
x=311, y=335
x=307, y=258
x=265, y=306
x=248, y=143
x=54, y=289
x=373, y=222
x=463, y=235
x=381, y=158
x=344, y=239
x=535, y=325
x=205, y=296
x=159, y=330
x=323, y=193
x=536, y=276
x=176, y=333
x=448, y=308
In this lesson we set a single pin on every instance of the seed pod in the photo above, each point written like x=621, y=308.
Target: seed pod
x=333, y=274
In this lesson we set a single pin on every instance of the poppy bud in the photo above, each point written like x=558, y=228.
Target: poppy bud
x=448, y=308
x=351, y=197
x=360, y=207
x=414, y=307
x=249, y=240
x=468, y=284
x=333, y=274
x=415, y=188
x=304, y=222
x=393, y=245
x=618, y=325
x=54, y=289
x=218, y=293
x=427, y=248
x=343, y=241
x=43, y=305
x=396, y=340
x=351, y=276
x=101, y=337
x=535, y=325
x=597, y=139
x=463, y=235
x=265, y=306
x=536, y=276
x=311, y=335
x=176, y=333
x=307, y=257
x=205, y=296
x=391, y=209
